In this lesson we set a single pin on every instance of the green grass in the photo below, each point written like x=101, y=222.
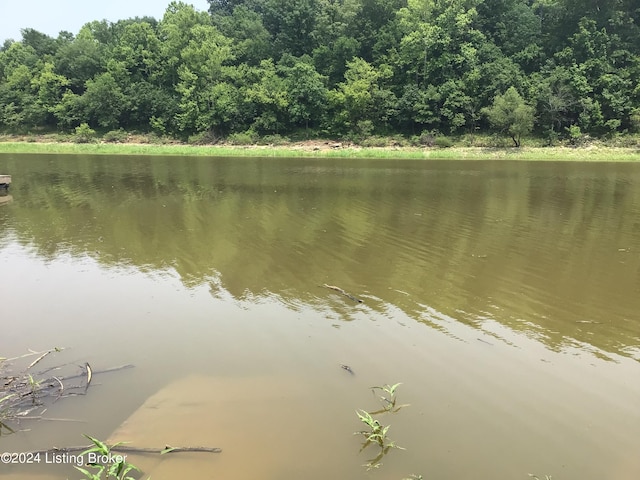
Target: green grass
x=594, y=153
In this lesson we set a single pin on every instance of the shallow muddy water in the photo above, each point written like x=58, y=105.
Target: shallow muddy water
x=504, y=296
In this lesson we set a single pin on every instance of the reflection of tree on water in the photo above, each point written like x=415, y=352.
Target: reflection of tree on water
x=535, y=247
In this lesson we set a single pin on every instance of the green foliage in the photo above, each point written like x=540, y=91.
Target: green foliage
x=374, y=141
x=575, y=135
x=118, y=470
x=273, y=140
x=290, y=23
x=251, y=40
x=80, y=60
x=635, y=120
x=202, y=138
x=360, y=101
x=248, y=137
x=377, y=432
x=510, y=114
x=103, y=101
x=115, y=136
x=84, y=133
x=306, y=92
x=388, y=398
x=351, y=68
x=443, y=142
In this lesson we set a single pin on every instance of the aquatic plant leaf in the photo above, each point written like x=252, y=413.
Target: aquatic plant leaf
x=115, y=469
x=371, y=466
x=87, y=473
x=392, y=389
x=99, y=446
x=128, y=468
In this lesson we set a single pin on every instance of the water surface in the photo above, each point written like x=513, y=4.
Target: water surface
x=504, y=295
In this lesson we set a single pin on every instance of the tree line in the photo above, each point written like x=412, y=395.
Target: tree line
x=336, y=68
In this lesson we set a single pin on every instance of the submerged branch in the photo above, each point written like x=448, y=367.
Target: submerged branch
x=346, y=294
x=32, y=353
x=98, y=372
x=22, y=392
x=131, y=449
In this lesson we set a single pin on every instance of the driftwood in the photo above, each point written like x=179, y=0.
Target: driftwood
x=131, y=449
x=346, y=294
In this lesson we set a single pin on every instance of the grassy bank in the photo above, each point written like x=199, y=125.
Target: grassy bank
x=320, y=148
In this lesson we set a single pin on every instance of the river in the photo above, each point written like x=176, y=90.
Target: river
x=503, y=296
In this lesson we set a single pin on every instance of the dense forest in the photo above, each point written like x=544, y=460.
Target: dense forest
x=336, y=68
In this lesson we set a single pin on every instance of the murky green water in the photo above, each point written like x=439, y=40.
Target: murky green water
x=505, y=296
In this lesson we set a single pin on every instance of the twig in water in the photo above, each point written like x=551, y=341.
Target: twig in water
x=61, y=389
x=131, y=449
x=347, y=368
x=33, y=352
x=89, y=375
x=50, y=419
x=39, y=358
x=340, y=290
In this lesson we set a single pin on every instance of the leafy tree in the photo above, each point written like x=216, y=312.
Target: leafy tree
x=509, y=113
x=201, y=70
x=41, y=43
x=439, y=40
x=223, y=7
x=306, y=92
x=251, y=40
x=290, y=23
x=371, y=19
x=14, y=55
x=418, y=108
x=19, y=106
x=269, y=99
x=360, y=102
x=136, y=53
x=335, y=19
x=103, y=101
x=49, y=87
x=347, y=65
x=331, y=61
x=80, y=60
x=70, y=111
x=144, y=101
x=175, y=33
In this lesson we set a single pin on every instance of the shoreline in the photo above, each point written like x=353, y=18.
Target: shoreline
x=328, y=149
